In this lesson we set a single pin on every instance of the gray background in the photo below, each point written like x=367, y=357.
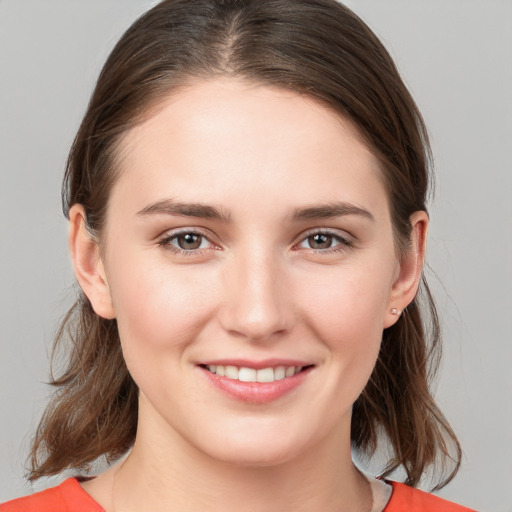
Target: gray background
x=456, y=57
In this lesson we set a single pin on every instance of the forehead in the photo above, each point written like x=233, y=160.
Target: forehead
x=222, y=137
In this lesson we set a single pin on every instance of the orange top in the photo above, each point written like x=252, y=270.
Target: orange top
x=70, y=497
x=408, y=499
x=66, y=497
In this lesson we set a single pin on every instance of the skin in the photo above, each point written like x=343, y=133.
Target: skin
x=258, y=286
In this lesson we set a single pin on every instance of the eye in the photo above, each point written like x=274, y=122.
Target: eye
x=185, y=241
x=324, y=241
x=319, y=241
x=189, y=241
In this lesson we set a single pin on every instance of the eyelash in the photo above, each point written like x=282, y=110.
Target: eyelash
x=166, y=239
x=343, y=243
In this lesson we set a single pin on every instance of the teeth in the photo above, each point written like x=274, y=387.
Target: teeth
x=280, y=373
x=265, y=375
x=289, y=371
x=232, y=372
x=245, y=374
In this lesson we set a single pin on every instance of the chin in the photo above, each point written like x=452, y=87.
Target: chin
x=255, y=449
x=255, y=457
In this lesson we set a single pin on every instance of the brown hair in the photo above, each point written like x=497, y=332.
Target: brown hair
x=315, y=47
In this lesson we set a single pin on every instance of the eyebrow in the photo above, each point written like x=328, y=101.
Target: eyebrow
x=171, y=207
x=330, y=210
x=200, y=210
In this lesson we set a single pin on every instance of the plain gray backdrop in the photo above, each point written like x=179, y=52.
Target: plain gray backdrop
x=456, y=57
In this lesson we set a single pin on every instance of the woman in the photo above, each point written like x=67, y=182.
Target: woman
x=246, y=197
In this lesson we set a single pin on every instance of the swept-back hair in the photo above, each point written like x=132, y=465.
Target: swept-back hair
x=318, y=48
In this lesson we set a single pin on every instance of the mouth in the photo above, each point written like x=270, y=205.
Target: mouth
x=260, y=385
x=247, y=374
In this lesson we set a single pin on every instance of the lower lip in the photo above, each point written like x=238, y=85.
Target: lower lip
x=256, y=392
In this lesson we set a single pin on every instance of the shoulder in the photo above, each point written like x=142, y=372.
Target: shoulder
x=66, y=497
x=418, y=501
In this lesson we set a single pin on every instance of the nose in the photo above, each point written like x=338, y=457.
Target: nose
x=257, y=305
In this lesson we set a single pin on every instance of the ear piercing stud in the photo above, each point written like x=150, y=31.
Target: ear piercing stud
x=394, y=311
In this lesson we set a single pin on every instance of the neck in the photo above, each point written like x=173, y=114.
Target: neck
x=165, y=472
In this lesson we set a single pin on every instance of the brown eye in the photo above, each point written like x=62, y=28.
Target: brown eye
x=320, y=241
x=188, y=241
x=323, y=241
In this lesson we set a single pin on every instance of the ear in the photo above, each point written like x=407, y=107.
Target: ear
x=88, y=265
x=406, y=285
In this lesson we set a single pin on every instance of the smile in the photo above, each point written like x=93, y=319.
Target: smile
x=269, y=382
x=245, y=374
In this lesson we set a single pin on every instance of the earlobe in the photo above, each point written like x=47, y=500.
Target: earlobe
x=88, y=265
x=406, y=285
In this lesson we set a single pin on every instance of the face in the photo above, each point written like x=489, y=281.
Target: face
x=248, y=237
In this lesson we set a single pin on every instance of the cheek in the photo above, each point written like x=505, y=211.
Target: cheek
x=159, y=307
x=346, y=311
x=350, y=299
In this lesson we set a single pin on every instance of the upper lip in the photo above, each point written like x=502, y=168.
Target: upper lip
x=257, y=365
